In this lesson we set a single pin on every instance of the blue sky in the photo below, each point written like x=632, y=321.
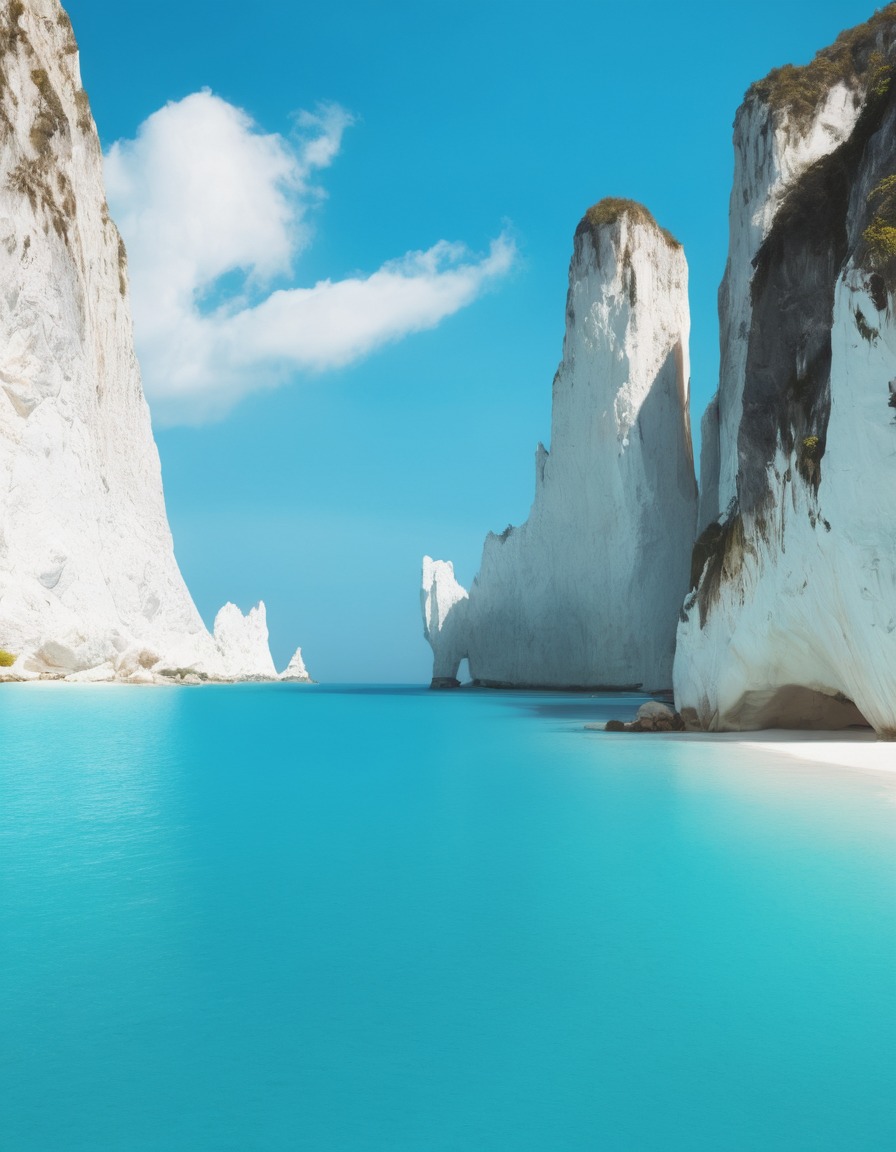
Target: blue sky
x=472, y=123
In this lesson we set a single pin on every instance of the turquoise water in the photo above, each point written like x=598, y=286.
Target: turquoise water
x=348, y=920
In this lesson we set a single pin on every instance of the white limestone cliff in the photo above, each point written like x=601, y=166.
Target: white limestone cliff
x=586, y=593
x=89, y=585
x=792, y=617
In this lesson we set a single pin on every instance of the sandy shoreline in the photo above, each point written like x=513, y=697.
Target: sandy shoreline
x=839, y=749
x=842, y=749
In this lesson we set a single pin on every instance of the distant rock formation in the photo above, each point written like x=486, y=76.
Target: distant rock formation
x=89, y=586
x=792, y=616
x=243, y=643
x=587, y=592
x=296, y=670
x=444, y=604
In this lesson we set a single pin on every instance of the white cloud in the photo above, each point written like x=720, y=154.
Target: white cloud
x=200, y=193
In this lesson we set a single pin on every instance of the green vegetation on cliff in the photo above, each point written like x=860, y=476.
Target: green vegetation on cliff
x=880, y=235
x=855, y=59
x=612, y=208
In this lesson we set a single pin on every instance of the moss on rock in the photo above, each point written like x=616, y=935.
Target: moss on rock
x=879, y=238
x=856, y=58
x=613, y=208
x=51, y=117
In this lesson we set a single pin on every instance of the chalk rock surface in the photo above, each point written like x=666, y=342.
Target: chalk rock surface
x=243, y=643
x=295, y=669
x=587, y=592
x=89, y=585
x=444, y=603
x=792, y=618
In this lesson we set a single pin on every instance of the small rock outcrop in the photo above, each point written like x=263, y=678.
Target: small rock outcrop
x=89, y=585
x=791, y=621
x=652, y=716
x=243, y=646
x=243, y=643
x=295, y=670
x=444, y=605
x=586, y=593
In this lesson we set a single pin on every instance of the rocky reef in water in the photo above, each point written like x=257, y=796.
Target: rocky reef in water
x=587, y=592
x=89, y=585
x=791, y=620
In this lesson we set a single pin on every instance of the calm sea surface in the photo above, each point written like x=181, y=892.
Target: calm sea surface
x=387, y=920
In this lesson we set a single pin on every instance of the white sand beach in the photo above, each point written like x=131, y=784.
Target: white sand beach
x=850, y=748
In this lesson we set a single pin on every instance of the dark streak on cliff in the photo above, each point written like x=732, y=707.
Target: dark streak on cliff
x=787, y=386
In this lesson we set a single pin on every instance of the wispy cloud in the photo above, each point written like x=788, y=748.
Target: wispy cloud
x=201, y=194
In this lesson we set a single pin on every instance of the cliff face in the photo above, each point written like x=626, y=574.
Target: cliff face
x=586, y=592
x=792, y=618
x=88, y=580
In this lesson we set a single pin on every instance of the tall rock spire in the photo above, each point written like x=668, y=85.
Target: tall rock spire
x=586, y=593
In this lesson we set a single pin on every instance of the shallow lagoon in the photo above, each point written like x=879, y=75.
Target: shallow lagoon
x=347, y=920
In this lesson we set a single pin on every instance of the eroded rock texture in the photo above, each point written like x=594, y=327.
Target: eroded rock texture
x=89, y=586
x=586, y=593
x=792, y=617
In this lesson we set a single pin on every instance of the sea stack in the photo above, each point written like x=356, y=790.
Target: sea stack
x=791, y=621
x=89, y=586
x=587, y=592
